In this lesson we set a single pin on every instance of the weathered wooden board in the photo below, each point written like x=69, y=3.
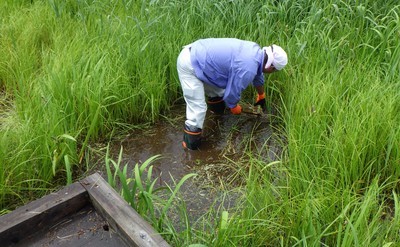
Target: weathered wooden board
x=85, y=228
x=48, y=211
x=131, y=226
x=41, y=214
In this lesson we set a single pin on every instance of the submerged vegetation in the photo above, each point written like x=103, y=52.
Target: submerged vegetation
x=76, y=71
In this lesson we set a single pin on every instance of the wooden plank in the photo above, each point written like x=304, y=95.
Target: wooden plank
x=120, y=215
x=41, y=214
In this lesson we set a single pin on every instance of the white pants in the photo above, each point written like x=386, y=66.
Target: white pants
x=194, y=90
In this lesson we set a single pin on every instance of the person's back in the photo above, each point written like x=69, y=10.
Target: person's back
x=216, y=59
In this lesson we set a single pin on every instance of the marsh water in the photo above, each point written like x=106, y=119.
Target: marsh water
x=227, y=139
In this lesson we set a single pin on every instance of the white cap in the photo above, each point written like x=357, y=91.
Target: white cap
x=277, y=57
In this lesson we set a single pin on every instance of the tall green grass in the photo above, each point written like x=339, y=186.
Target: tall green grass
x=72, y=72
x=139, y=189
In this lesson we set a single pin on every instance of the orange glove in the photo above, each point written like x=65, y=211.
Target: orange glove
x=260, y=97
x=261, y=101
x=236, y=110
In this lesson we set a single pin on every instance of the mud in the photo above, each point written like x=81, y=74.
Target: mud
x=226, y=141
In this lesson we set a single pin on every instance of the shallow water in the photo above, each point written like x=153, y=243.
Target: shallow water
x=225, y=139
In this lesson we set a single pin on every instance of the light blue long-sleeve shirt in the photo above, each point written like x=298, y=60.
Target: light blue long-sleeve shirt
x=228, y=63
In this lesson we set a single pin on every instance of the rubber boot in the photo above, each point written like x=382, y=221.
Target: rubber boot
x=191, y=137
x=216, y=105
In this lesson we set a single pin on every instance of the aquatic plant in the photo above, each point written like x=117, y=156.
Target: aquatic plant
x=148, y=200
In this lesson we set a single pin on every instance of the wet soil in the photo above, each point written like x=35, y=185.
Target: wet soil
x=227, y=139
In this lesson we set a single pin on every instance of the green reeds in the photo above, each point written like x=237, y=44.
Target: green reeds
x=139, y=190
x=83, y=69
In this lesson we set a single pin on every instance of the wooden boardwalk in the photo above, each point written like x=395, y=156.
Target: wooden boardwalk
x=85, y=213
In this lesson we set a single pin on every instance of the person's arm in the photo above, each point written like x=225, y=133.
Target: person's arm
x=238, y=82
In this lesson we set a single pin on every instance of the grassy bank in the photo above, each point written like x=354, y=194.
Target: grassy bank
x=73, y=72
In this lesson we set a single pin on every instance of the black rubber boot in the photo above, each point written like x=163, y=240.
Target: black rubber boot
x=216, y=105
x=191, y=137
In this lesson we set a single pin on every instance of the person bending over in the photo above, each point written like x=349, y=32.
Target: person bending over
x=221, y=68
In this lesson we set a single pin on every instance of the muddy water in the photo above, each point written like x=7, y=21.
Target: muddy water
x=226, y=138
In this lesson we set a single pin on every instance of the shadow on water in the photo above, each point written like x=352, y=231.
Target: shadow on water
x=226, y=138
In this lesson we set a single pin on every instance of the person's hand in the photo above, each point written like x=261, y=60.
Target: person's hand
x=236, y=110
x=261, y=101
